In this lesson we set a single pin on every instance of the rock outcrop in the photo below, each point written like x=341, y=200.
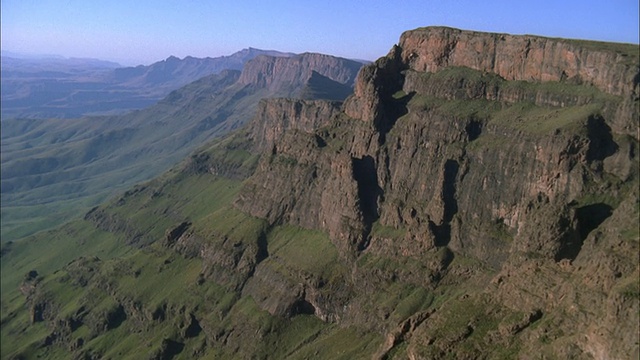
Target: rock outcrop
x=513, y=58
x=282, y=74
x=523, y=57
x=276, y=116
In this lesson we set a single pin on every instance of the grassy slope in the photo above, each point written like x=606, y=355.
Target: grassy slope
x=64, y=167
x=159, y=278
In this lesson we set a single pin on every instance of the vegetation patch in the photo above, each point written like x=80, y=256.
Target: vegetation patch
x=387, y=232
x=299, y=248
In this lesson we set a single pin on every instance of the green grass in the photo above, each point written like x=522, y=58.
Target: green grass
x=466, y=322
x=158, y=278
x=387, y=232
x=232, y=223
x=148, y=273
x=151, y=208
x=23, y=220
x=412, y=302
x=47, y=252
x=630, y=288
x=88, y=160
x=51, y=250
x=544, y=121
x=340, y=343
x=523, y=116
x=30, y=336
x=629, y=52
x=299, y=248
x=118, y=343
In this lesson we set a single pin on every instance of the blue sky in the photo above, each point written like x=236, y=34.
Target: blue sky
x=144, y=31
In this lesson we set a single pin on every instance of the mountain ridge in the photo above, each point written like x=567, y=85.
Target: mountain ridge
x=35, y=92
x=46, y=162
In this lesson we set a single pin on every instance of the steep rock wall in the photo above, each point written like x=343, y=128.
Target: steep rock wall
x=613, y=70
x=275, y=116
x=521, y=165
x=276, y=73
x=513, y=57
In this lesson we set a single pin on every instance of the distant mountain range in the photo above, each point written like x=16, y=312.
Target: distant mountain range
x=52, y=87
x=56, y=168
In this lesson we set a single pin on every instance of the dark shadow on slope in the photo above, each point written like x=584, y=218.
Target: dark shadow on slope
x=172, y=235
x=194, y=329
x=320, y=142
x=302, y=307
x=451, y=168
x=589, y=218
x=116, y=318
x=473, y=129
x=170, y=349
x=442, y=232
x=601, y=144
x=263, y=251
x=394, y=109
x=366, y=177
x=322, y=87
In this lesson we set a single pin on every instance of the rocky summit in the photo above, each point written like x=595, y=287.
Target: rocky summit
x=476, y=197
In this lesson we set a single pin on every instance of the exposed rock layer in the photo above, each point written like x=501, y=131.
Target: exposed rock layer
x=523, y=58
x=528, y=58
x=277, y=73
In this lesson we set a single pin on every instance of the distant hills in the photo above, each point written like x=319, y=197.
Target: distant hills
x=51, y=63
x=66, y=88
x=56, y=168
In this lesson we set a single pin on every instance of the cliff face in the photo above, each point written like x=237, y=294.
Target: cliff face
x=521, y=58
x=515, y=151
x=528, y=58
x=276, y=116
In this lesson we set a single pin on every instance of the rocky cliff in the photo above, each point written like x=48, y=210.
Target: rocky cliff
x=276, y=116
x=280, y=74
x=529, y=58
x=515, y=151
x=612, y=70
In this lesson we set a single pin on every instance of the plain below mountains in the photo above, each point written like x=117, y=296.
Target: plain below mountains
x=55, y=168
x=69, y=88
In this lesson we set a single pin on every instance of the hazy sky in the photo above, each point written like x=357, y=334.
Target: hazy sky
x=145, y=31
